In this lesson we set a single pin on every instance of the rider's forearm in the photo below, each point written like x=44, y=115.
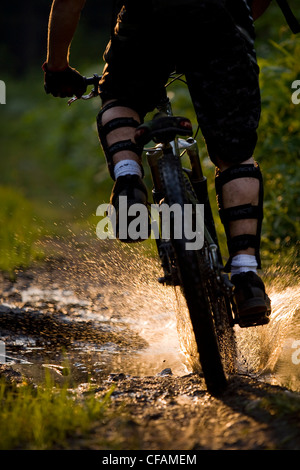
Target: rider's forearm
x=63, y=22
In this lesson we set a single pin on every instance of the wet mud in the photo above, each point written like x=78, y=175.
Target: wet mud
x=96, y=312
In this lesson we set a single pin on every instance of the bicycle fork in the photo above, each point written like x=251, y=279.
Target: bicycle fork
x=199, y=184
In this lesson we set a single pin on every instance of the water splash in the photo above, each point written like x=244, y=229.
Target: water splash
x=115, y=285
x=267, y=351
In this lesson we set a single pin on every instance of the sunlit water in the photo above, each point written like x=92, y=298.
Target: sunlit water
x=271, y=352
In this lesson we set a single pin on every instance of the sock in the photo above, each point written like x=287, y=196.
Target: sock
x=127, y=167
x=243, y=263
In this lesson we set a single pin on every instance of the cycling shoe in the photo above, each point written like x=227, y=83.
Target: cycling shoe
x=253, y=306
x=129, y=190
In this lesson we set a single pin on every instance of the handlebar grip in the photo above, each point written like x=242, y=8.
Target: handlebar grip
x=94, y=80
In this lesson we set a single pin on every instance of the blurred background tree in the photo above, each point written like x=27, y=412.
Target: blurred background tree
x=50, y=155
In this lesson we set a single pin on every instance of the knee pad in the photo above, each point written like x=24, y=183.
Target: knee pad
x=113, y=124
x=245, y=211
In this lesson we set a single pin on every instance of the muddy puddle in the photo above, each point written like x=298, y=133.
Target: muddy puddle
x=94, y=316
x=89, y=318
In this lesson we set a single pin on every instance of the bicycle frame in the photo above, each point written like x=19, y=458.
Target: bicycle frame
x=199, y=183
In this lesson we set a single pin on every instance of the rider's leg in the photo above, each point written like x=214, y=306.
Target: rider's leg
x=116, y=127
x=116, y=124
x=240, y=198
x=226, y=96
x=128, y=92
x=235, y=193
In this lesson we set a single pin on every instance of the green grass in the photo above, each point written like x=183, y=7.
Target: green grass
x=282, y=404
x=18, y=231
x=46, y=416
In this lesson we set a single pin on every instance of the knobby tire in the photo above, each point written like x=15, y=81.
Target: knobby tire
x=193, y=283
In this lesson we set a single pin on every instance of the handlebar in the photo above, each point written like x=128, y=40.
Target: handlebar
x=94, y=80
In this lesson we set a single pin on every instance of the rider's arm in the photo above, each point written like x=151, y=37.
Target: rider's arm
x=63, y=22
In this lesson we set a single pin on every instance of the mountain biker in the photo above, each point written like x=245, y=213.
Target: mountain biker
x=215, y=51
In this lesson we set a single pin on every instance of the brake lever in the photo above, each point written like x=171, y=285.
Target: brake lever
x=94, y=92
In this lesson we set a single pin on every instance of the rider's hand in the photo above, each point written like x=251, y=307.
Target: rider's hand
x=63, y=83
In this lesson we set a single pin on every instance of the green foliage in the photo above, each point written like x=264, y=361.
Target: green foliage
x=278, y=149
x=46, y=416
x=52, y=149
x=51, y=155
x=18, y=231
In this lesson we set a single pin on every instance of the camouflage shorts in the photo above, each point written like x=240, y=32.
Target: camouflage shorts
x=212, y=43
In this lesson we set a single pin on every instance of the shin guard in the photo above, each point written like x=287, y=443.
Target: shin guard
x=113, y=124
x=245, y=211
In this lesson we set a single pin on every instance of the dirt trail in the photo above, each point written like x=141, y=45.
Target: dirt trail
x=103, y=307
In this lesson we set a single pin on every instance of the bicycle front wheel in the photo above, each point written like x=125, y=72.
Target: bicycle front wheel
x=192, y=282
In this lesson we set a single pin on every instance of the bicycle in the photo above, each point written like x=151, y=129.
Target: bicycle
x=196, y=273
